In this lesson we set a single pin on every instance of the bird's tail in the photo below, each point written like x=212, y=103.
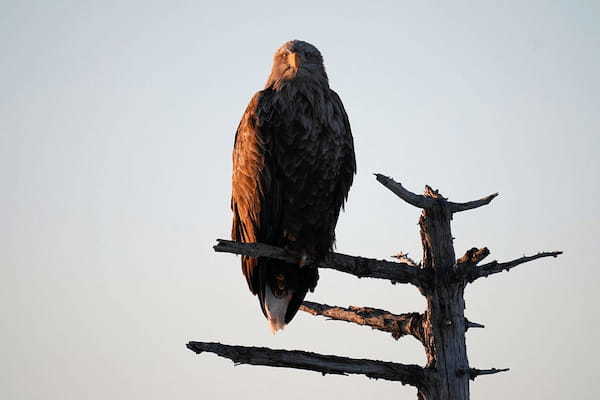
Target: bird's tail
x=276, y=308
x=283, y=288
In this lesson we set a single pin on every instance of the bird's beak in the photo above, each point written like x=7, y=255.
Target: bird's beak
x=294, y=60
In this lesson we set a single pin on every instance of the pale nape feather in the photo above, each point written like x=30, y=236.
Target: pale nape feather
x=276, y=307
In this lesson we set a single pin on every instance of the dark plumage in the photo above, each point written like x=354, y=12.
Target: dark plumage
x=293, y=164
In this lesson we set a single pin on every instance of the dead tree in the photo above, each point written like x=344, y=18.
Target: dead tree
x=440, y=277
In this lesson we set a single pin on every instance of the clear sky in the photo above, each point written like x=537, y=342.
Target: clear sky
x=116, y=128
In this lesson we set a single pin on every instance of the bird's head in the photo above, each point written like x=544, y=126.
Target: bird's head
x=297, y=60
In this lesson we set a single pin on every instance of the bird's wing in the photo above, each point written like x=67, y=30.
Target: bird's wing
x=255, y=196
x=346, y=146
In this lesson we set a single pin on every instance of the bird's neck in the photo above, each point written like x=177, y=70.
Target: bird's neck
x=301, y=81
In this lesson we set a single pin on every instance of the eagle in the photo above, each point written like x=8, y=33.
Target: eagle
x=293, y=165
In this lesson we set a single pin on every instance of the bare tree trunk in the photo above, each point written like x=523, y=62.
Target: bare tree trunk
x=440, y=277
x=444, y=325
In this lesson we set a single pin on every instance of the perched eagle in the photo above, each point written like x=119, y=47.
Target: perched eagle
x=293, y=164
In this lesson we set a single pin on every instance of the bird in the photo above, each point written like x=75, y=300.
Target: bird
x=293, y=165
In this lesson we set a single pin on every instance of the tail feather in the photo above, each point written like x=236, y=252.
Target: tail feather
x=276, y=308
x=282, y=288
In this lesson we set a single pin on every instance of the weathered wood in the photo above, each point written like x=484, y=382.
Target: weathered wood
x=398, y=325
x=444, y=326
x=473, y=256
x=421, y=201
x=495, y=267
x=407, y=374
x=473, y=373
x=361, y=267
x=464, y=265
x=411, y=198
x=470, y=324
x=404, y=258
x=441, y=328
x=470, y=205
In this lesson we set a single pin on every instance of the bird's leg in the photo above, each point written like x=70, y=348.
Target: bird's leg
x=302, y=255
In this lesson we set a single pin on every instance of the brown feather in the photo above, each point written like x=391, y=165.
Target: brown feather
x=293, y=165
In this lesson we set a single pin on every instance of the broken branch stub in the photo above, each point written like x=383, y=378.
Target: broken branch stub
x=474, y=372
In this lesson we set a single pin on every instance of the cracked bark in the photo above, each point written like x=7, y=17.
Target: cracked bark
x=495, y=267
x=398, y=325
x=441, y=279
x=444, y=326
x=361, y=267
x=407, y=374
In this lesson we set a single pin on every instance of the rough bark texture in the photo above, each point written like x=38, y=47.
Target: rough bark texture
x=495, y=267
x=407, y=374
x=398, y=325
x=444, y=326
x=397, y=272
x=441, y=328
x=425, y=201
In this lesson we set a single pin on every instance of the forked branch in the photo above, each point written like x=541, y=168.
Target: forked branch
x=411, y=198
x=421, y=201
x=458, y=207
x=357, y=266
x=325, y=364
x=397, y=325
x=495, y=267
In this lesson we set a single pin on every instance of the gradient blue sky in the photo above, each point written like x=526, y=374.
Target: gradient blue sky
x=116, y=128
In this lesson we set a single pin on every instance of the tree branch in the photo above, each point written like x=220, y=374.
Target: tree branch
x=357, y=266
x=466, y=264
x=474, y=372
x=458, y=207
x=495, y=267
x=473, y=256
x=404, y=258
x=397, y=325
x=407, y=374
x=416, y=200
x=426, y=201
x=470, y=324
